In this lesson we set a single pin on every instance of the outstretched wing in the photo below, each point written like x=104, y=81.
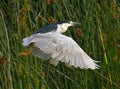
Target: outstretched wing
x=60, y=48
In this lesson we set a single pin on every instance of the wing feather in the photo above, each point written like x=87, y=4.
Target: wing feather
x=37, y=52
x=60, y=48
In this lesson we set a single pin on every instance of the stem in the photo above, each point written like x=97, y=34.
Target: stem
x=8, y=47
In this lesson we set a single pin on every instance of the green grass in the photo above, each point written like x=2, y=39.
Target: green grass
x=99, y=37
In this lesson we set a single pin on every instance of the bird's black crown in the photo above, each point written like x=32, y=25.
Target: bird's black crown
x=65, y=21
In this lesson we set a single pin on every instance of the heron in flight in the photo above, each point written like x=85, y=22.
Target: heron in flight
x=50, y=43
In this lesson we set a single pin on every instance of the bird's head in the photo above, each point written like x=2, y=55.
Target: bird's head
x=62, y=26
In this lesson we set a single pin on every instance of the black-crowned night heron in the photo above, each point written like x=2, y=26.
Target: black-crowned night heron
x=49, y=43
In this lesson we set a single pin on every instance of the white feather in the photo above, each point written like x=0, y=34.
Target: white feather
x=60, y=48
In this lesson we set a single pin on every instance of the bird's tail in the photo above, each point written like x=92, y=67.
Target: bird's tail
x=26, y=41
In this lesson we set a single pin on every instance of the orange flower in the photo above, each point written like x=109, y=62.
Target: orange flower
x=115, y=16
x=52, y=20
x=78, y=32
x=2, y=60
x=48, y=1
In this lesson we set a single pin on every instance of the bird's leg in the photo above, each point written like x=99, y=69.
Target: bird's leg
x=28, y=51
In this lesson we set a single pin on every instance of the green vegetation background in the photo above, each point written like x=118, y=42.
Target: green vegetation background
x=99, y=36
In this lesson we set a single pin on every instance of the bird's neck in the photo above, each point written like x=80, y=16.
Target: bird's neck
x=61, y=29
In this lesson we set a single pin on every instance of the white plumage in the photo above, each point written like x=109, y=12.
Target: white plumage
x=57, y=47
